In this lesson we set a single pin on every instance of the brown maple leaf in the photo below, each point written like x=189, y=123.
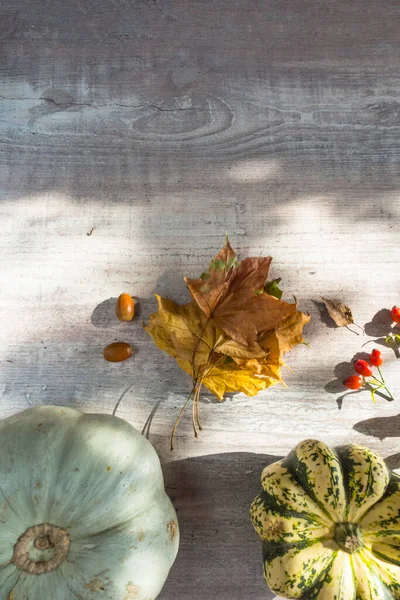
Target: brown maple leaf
x=233, y=334
x=213, y=283
x=287, y=335
x=232, y=294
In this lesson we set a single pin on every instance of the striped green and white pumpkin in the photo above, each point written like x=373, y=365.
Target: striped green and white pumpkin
x=330, y=524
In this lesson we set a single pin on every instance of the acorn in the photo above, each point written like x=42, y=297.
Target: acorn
x=125, y=308
x=117, y=351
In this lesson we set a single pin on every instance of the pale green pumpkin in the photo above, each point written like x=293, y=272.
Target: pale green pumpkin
x=330, y=523
x=83, y=510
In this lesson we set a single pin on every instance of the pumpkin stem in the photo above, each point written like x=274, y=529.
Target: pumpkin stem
x=41, y=548
x=348, y=537
x=43, y=543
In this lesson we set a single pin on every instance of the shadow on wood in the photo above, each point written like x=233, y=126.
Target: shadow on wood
x=381, y=328
x=104, y=314
x=343, y=370
x=393, y=461
x=380, y=427
x=220, y=554
x=380, y=325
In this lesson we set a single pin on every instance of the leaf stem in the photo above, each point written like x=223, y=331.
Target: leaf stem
x=199, y=339
x=197, y=397
x=352, y=330
x=193, y=415
x=384, y=383
x=197, y=385
x=379, y=383
x=180, y=416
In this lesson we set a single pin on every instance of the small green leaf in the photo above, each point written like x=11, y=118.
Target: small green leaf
x=272, y=288
x=393, y=338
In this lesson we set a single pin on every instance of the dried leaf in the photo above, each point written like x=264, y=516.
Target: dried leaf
x=262, y=366
x=339, y=312
x=288, y=335
x=226, y=274
x=244, y=316
x=231, y=348
x=213, y=283
x=232, y=336
x=184, y=332
x=232, y=294
x=232, y=378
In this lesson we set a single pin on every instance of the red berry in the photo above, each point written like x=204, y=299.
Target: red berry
x=362, y=368
x=376, y=357
x=395, y=314
x=354, y=382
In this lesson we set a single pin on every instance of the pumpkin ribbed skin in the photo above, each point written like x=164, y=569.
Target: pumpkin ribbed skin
x=83, y=510
x=330, y=524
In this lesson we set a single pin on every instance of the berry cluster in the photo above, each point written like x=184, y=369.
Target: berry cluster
x=394, y=338
x=365, y=377
x=395, y=314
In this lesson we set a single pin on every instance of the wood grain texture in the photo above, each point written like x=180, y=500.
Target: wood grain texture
x=164, y=124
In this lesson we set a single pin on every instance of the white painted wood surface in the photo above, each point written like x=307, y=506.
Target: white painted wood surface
x=163, y=125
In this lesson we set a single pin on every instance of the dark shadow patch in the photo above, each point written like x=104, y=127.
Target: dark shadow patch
x=342, y=371
x=104, y=314
x=324, y=315
x=215, y=526
x=393, y=461
x=380, y=325
x=380, y=427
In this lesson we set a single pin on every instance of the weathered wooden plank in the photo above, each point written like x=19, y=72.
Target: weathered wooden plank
x=164, y=125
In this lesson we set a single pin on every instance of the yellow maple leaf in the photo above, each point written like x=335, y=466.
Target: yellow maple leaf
x=232, y=336
x=232, y=378
x=228, y=346
x=263, y=367
x=184, y=332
